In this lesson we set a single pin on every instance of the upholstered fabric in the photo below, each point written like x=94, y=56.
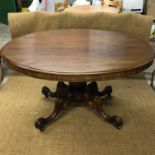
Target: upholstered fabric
x=1, y=71
x=134, y=24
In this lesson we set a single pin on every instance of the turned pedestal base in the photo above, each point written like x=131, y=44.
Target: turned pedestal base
x=76, y=92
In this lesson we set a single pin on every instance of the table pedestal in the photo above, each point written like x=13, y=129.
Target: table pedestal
x=76, y=92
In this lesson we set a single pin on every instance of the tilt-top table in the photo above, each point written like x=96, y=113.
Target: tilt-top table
x=80, y=57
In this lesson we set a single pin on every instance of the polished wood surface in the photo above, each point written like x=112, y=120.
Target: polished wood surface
x=92, y=9
x=78, y=55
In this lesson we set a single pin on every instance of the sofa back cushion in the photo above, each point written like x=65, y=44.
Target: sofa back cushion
x=131, y=23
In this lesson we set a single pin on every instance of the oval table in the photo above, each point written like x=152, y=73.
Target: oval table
x=81, y=57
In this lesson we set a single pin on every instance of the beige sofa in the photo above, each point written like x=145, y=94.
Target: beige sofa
x=134, y=24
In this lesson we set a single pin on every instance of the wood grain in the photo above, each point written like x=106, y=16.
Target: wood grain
x=78, y=55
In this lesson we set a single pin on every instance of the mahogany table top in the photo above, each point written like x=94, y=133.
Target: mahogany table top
x=78, y=54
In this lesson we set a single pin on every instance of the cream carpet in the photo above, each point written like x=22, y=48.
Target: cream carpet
x=79, y=131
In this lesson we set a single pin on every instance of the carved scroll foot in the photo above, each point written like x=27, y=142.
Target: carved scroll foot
x=92, y=88
x=106, y=92
x=47, y=92
x=116, y=121
x=96, y=104
x=61, y=103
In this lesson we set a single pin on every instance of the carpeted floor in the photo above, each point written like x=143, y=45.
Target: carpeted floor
x=79, y=131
